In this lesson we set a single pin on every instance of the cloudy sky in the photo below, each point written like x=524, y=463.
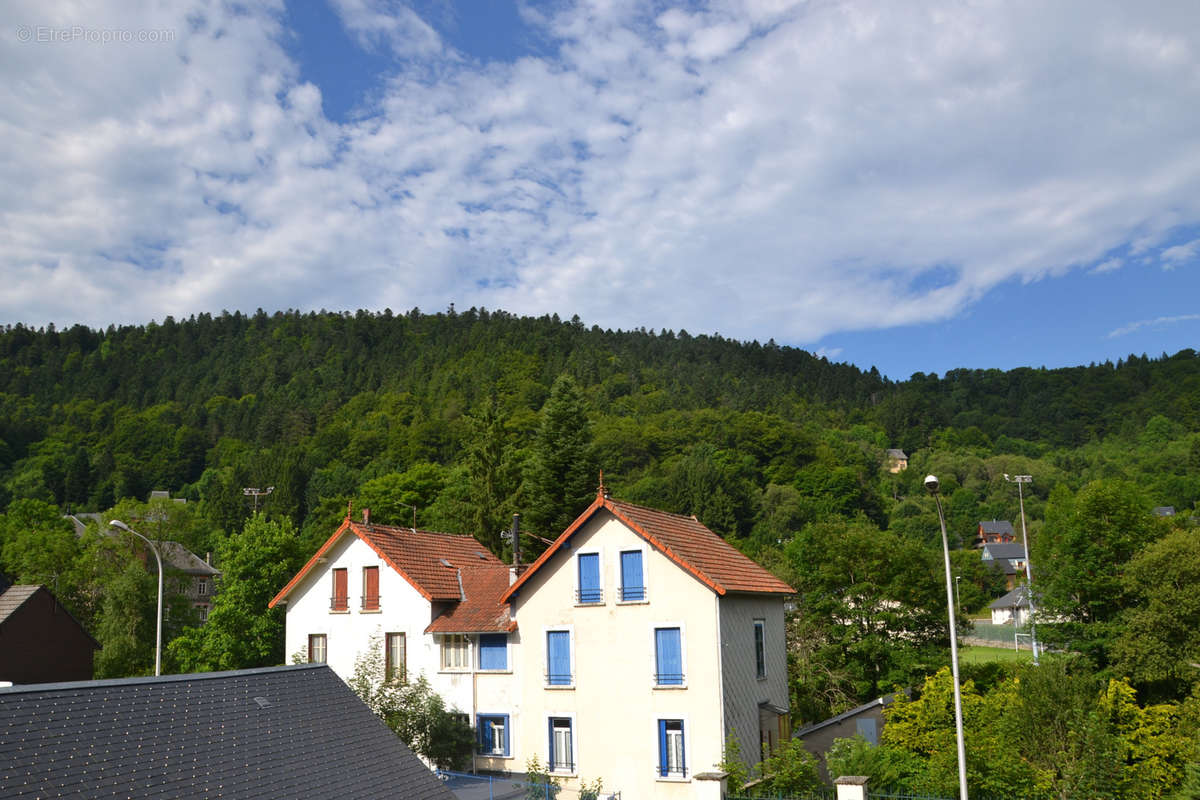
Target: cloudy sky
x=915, y=185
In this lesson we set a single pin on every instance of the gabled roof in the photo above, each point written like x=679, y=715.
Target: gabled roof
x=481, y=610
x=14, y=597
x=184, y=560
x=684, y=540
x=881, y=702
x=295, y=731
x=1017, y=598
x=429, y=561
x=996, y=526
x=999, y=550
x=896, y=453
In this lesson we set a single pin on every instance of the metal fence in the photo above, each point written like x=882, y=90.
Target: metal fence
x=514, y=786
x=998, y=635
x=823, y=793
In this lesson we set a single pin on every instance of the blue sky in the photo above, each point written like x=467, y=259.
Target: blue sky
x=915, y=186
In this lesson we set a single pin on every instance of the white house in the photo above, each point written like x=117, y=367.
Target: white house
x=626, y=652
x=428, y=601
x=647, y=639
x=1012, y=608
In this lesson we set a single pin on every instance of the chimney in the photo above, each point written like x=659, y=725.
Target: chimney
x=516, y=540
x=366, y=516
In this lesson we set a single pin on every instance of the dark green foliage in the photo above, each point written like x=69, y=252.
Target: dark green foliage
x=562, y=477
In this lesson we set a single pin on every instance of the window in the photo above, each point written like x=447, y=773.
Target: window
x=668, y=657
x=455, y=651
x=671, y=760
x=316, y=648
x=558, y=658
x=492, y=734
x=589, y=578
x=341, y=591
x=202, y=587
x=760, y=647
x=562, y=751
x=866, y=728
x=395, y=655
x=203, y=611
x=370, y=599
x=493, y=651
x=633, y=585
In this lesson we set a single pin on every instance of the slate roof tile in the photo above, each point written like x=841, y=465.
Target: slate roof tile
x=205, y=735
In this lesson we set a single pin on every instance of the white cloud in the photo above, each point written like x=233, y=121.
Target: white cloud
x=766, y=169
x=1159, y=322
x=1180, y=254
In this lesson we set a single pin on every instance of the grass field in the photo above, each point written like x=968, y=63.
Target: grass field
x=974, y=654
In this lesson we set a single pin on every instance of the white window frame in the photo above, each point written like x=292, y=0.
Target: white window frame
x=645, y=575
x=574, y=745
x=570, y=629
x=683, y=664
x=324, y=639
x=579, y=601
x=202, y=587
x=446, y=648
x=402, y=677
x=509, y=730
x=686, y=777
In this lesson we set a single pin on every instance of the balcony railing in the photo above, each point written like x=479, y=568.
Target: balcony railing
x=584, y=596
x=631, y=593
x=668, y=678
x=370, y=602
x=339, y=602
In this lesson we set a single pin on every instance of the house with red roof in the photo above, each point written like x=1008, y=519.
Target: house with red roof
x=425, y=602
x=627, y=652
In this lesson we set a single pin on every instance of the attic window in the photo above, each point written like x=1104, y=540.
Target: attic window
x=262, y=702
x=482, y=557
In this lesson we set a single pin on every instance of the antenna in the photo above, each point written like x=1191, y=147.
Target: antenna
x=251, y=491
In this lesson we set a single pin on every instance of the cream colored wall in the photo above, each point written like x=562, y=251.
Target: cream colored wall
x=614, y=700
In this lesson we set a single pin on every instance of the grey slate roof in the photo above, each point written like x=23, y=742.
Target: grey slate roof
x=295, y=731
x=996, y=526
x=177, y=556
x=1004, y=550
x=1017, y=598
x=14, y=597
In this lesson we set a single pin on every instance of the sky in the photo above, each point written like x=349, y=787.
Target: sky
x=916, y=186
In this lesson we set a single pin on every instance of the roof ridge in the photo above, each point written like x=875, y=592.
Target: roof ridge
x=152, y=679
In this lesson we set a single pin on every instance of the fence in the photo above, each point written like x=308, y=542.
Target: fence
x=998, y=635
x=515, y=786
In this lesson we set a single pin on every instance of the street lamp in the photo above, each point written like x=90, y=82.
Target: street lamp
x=931, y=483
x=1020, y=481
x=116, y=523
x=957, y=595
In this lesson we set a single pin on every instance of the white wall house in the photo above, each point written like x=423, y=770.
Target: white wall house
x=627, y=652
x=428, y=602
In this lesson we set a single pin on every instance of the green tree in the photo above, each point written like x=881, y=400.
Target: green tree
x=790, y=770
x=413, y=710
x=561, y=479
x=38, y=546
x=242, y=632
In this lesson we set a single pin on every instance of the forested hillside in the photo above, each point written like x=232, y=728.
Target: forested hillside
x=461, y=419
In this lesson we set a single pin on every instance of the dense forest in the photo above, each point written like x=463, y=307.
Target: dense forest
x=463, y=418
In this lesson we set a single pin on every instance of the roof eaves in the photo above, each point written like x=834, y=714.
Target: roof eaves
x=312, y=562
x=667, y=551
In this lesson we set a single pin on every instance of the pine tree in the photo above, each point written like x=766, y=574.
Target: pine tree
x=562, y=477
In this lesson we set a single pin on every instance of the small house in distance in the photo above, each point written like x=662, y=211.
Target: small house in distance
x=40, y=642
x=1012, y=608
x=996, y=531
x=897, y=461
x=1008, y=558
x=865, y=721
x=294, y=731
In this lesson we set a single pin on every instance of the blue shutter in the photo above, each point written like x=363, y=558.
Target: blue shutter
x=589, y=578
x=493, y=651
x=662, y=747
x=669, y=657
x=632, y=587
x=485, y=734
x=550, y=734
x=558, y=648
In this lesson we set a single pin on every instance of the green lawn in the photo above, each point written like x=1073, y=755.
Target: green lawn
x=974, y=654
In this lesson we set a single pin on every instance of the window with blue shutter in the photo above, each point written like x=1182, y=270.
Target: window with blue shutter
x=493, y=735
x=668, y=657
x=671, y=760
x=493, y=651
x=589, y=578
x=558, y=658
x=633, y=585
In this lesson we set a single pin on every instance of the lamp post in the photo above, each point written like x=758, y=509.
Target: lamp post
x=931, y=483
x=1020, y=481
x=116, y=523
x=957, y=595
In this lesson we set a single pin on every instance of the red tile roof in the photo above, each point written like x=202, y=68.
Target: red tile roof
x=481, y=611
x=429, y=561
x=684, y=540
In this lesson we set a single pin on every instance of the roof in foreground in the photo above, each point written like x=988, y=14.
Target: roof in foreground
x=684, y=540
x=293, y=731
x=428, y=560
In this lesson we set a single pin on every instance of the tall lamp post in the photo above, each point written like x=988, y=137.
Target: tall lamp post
x=931, y=483
x=1020, y=481
x=116, y=523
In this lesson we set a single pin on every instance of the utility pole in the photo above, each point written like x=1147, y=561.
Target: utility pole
x=1020, y=481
